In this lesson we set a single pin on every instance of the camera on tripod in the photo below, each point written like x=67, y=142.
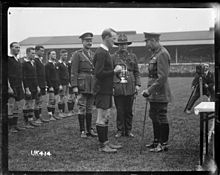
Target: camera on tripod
x=200, y=69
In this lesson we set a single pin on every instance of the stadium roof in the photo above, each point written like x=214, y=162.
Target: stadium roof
x=165, y=37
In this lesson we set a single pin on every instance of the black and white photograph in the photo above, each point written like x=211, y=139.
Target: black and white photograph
x=120, y=89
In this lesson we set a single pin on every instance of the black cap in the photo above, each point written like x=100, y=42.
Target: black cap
x=86, y=35
x=149, y=36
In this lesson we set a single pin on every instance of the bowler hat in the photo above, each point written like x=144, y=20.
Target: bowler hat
x=86, y=35
x=122, y=39
x=149, y=36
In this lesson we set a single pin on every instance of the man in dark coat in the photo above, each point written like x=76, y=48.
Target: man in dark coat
x=53, y=83
x=82, y=81
x=124, y=91
x=208, y=84
x=41, y=78
x=15, y=87
x=31, y=87
x=158, y=92
x=104, y=72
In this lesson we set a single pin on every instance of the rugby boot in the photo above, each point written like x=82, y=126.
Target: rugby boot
x=152, y=145
x=51, y=117
x=160, y=148
x=114, y=146
x=83, y=134
x=107, y=149
x=15, y=124
x=13, y=130
x=129, y=134
x=38, y=121
x=119, y=134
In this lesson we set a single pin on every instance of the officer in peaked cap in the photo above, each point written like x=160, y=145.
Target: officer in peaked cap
x=158, y=91
x=150, y=36
x=86, y=36
x=82, y=81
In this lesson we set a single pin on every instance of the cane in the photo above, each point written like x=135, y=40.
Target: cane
x=143, y=129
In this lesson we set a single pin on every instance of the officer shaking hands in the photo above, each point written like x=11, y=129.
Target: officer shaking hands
x=158, y=91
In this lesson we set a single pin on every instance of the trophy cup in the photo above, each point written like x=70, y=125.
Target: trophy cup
x=123, y=74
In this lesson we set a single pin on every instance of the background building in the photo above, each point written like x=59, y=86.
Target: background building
x=184, y=47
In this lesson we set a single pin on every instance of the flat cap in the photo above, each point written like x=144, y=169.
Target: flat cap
x=149, y=36
x=86, y=35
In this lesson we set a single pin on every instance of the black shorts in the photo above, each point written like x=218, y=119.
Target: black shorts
x=34, y=95
x=43, y=91
x=70, y=90
x=56, y=91
x=18, y=93
x=103, y=101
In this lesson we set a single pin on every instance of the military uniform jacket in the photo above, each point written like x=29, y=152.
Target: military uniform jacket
x=158, y=85
x=40, y=70
x=63, y=73
x=52, y=75
x=133, y=75
x=14, y=72
x=104, y=72
x=82, y=71
x=29, y=75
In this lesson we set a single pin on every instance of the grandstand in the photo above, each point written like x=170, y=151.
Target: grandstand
x=184, y=47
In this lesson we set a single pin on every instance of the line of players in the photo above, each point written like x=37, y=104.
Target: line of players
x=33, y=81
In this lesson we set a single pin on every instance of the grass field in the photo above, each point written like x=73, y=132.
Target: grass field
x=72, y=153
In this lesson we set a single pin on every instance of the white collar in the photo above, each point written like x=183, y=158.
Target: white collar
x=40, y=58
x=206, y=72
x=51, y=61
x=27, y=60
x=16, y=57
x=104, y=47
x=61, y=61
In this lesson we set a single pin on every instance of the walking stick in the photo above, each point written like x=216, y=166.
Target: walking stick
x=143, y=129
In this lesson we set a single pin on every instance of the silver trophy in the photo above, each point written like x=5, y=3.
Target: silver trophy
x=123, y=74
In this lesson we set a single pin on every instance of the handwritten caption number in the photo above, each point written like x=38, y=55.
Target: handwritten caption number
x=41, y=153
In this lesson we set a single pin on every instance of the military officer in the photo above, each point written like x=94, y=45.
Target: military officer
x=125, y=86
x=158, y=92
x=15, y=87
x=82, y=81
